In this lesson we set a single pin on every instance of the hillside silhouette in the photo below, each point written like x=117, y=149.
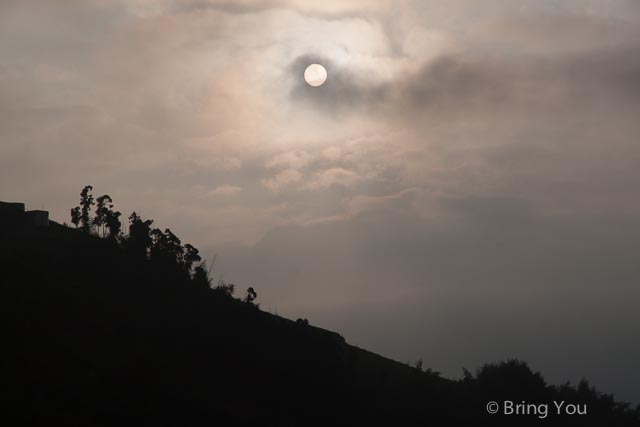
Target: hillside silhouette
x=103, y=327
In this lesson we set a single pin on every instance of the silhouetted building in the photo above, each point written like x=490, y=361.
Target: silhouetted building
x=14, y=214
x=11, y=208
x=38, y=218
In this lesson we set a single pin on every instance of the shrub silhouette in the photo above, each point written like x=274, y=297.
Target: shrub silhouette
x=224, y=289
x=251, y=296
x=511, y=380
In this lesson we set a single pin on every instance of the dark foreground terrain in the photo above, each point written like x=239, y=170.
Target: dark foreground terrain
x=94, y=336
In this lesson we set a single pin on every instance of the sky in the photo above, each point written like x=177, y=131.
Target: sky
x=462, y=189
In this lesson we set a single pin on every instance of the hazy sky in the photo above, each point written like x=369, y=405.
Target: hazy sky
x=463, y=189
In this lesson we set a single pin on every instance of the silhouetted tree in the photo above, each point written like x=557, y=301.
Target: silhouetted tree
x=139, y=240
x=251, y=296
x=191, y=256
x=106, y=219
x=113, y=224
x=512, y=379
x=75, y=216
x=166, y=248
x=102, y=206
x=201, y=276
x=86, y=201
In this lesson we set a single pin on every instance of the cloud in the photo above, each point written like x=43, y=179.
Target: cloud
x=225, y=190
x=329, y=10
x=282, y=179
x=463, y=82
x=334, y=176
x=292, y=159
x=342, y=91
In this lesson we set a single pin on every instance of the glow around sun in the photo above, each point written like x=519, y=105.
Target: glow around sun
x=315, y=75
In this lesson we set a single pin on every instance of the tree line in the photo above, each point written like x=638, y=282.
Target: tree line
x=97, y=216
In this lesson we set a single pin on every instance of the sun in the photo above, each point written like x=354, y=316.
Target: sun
x=315, y=75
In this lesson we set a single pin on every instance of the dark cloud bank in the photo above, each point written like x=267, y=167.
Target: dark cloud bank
x=466, y=82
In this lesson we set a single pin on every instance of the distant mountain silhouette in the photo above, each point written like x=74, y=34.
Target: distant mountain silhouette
x=97, y=332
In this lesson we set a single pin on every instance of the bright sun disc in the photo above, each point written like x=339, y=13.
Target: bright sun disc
x=315, y=75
